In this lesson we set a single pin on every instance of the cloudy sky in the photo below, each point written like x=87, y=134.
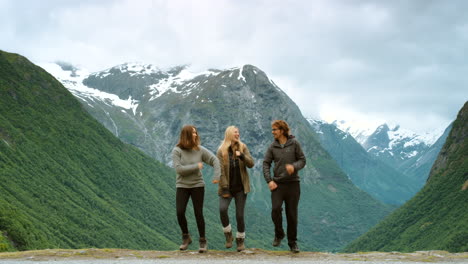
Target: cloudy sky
x=402, y=62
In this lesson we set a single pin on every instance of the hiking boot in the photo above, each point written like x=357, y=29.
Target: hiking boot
x=186, y=241
x=240, y=244
x=203, y=245
x=277, y=241
x=294, y=248
x=229, y=239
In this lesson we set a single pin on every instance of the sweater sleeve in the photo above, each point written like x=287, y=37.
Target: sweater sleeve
x=223, y=177
x=182, y=170
x=247, y=158
x=210, y=159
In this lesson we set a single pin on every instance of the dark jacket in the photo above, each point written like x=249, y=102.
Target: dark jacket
x=290, y=153
x=246, y=161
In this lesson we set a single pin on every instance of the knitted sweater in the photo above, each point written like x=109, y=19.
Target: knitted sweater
x=186, y=162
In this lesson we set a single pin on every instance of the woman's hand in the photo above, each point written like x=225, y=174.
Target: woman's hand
x=215, y=181
x=200, y=165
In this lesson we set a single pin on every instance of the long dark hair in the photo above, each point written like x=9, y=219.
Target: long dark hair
x=186, y=139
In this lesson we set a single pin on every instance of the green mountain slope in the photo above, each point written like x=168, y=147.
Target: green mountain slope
x=65, y=181
x=437, y=217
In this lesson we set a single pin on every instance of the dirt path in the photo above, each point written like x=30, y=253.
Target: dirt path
x=249, y=254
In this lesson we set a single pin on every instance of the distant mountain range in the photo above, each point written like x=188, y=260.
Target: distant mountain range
x=436, y=218
x=408, y=152
x=146, y=107
x=390, y=164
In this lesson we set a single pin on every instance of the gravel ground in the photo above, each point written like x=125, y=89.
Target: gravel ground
x=249, y=256
x=209, y=261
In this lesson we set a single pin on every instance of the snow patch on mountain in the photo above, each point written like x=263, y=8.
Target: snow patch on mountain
x=241, y=77
x=173, y=82
x=396, y=133
x=135, y=68
x=73, y=81
x=410, y=138
x=359, y=132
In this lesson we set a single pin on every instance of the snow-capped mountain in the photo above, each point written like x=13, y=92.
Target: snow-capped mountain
x=395, y=144
x=366, y=171
x=409, y=153
x=160, y=102
x=361, y=134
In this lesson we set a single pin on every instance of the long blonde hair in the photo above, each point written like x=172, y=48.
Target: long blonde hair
x=227, y=142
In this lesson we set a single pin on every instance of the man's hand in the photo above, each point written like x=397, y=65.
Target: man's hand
x=290, y=169
x=215, y=181
x=272, y=185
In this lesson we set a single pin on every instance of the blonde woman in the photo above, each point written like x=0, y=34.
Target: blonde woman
x=235, y=158
x=188, y=157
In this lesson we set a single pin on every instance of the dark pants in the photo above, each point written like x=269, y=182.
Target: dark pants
x=182, y=197
x=239, y=198
x=289, y=193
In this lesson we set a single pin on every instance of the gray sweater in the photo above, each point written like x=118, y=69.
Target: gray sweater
x=186, y=162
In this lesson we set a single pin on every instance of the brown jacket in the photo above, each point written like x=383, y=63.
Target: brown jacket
x=248, y=162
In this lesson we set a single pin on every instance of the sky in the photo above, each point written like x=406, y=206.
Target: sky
x=368, y=62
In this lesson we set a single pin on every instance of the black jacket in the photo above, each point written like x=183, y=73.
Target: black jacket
x=290, y=153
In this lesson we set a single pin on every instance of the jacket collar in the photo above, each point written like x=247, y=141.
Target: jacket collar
x=288, y=142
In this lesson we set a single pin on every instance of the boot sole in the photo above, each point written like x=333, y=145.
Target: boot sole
x=182, y=249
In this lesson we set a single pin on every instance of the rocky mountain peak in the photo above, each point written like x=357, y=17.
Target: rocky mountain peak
x=379, y=139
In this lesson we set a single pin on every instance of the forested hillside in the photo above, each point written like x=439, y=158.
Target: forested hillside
x=437, y=217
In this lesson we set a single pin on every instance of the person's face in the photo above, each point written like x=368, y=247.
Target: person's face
x=194, y=134
x=235, y=135
x=276, y=132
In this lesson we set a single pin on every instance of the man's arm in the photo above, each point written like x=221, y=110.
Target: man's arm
x=300, y=158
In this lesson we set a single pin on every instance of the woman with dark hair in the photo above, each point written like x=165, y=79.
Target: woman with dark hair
x=234, y=157
x=188, y=157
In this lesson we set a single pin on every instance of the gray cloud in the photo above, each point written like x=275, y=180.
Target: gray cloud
x=401, y=61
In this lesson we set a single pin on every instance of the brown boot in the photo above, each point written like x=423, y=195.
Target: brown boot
x=229, y=239
x=186, y=241
x=203, y=245
x=240, y=244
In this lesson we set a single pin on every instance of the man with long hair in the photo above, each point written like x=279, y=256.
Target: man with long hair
x=286, y=153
